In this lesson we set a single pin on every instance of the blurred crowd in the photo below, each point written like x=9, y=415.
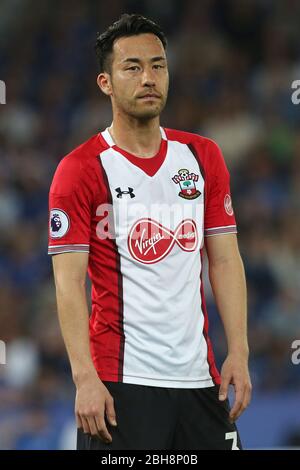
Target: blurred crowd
x=232, y=63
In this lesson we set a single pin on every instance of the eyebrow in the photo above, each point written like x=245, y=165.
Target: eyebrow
x=136, y=60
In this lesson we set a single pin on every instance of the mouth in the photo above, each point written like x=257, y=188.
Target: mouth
x=149, y=96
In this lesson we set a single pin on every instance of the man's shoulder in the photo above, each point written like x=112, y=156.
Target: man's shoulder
x=206, y=150
x=83, y=153
x=78, y=164
x=191, y=138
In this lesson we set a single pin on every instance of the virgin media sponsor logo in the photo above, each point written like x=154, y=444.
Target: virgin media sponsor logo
x=149, y=241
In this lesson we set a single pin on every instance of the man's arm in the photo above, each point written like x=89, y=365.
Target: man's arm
x=227, y=278
x=92, y=398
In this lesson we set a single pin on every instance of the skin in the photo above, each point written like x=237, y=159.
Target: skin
x=93, y=401
x=135, y=128
x=227, y=278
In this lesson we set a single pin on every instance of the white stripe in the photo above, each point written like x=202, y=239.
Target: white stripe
x=56, y=252
x=163, y=134
x=107, y=137
x=68, y=249
x=217, y=228
x=69, y=244
x=185, y=383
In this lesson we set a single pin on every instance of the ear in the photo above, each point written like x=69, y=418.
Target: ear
x=104, y=83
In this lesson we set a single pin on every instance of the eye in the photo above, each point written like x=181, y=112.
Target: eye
x=134, y=67
x=158, y=66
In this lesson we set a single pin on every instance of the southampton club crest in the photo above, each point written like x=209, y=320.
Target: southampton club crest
x=187, y=184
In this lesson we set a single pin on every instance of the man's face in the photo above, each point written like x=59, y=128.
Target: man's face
x=139, y=68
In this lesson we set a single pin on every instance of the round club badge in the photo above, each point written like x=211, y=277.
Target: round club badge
x=228, y=205
x=59, y=223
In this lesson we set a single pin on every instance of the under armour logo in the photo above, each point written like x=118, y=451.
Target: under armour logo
x=120, y=192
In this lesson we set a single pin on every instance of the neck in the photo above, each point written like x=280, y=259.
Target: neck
x=141, y=138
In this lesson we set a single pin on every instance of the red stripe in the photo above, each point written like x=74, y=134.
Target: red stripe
x=106, y=323
x=214, y=373
x=120, y=306
x=210, y=354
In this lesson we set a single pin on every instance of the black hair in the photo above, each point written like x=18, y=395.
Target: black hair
x=127, y=25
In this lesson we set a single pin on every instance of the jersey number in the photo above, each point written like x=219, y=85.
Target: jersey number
x=233, y=436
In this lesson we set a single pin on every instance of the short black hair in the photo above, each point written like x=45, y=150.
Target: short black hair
x=127, y=25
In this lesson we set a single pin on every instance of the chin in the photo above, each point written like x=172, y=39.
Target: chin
x=149, y=113
x=144, y=111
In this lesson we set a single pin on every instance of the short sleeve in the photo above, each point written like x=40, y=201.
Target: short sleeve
x=70, y=202
x=219, y=216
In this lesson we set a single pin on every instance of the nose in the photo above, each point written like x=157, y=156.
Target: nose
x=148, y=77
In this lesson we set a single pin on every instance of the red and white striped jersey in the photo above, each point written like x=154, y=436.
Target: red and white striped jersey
x=143, y=223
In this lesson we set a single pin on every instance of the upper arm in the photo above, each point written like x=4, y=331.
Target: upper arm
x=221, y=248
x=69, y=268
x=70, y=218
x=70, y=209
x=219, y=216
x=219, y=219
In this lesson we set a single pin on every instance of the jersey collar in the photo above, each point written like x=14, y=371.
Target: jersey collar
x=148, y=165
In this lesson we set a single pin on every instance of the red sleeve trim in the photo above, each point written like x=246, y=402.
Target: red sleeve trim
x=53, y=250
x=220, y=230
